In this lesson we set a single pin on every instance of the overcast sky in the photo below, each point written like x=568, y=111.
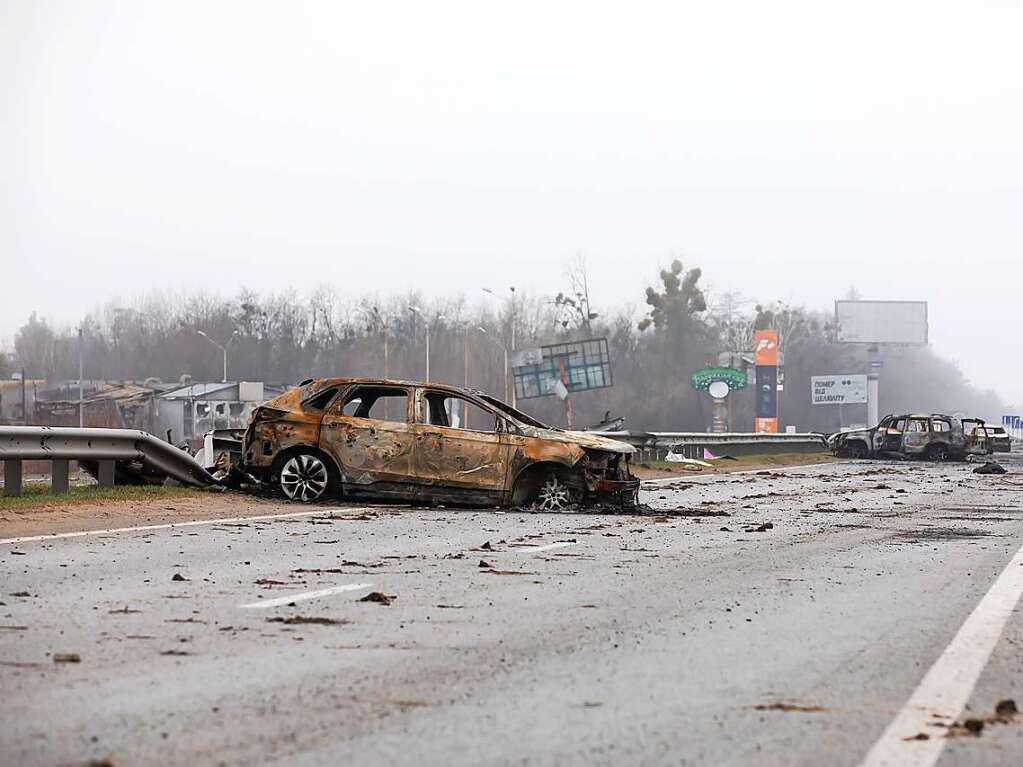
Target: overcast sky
x=790, y=149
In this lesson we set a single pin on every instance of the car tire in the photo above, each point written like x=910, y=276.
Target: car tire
x=306, y=477
x=937, y=453
x=557, y=493
x=857, y=451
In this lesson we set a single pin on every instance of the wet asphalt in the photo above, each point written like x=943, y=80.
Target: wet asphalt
x=685, y=635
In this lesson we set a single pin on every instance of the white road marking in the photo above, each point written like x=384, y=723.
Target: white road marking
x=304, y=596
x=946, y=688
x=548, y=547
x=170, y=525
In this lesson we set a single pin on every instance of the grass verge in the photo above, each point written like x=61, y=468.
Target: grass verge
x=37, y=495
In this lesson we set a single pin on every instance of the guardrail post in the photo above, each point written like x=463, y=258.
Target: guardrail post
x=60, y=476
x=106, y=474
x=12, y=476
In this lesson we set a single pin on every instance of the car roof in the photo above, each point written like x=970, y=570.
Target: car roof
x=318, y=384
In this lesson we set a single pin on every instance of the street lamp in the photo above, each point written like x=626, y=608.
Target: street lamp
x=429, y=325
x=511, y=303
x=504, y=348
x=223, y=348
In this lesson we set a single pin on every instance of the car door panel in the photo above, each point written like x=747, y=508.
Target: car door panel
x=375, y=455
x=460, y=463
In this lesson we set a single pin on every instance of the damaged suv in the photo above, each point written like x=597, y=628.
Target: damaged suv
x=422, y=442
x=933, y=436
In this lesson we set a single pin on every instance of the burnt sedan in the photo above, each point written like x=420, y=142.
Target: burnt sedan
x=421, y=442
x=932, y=436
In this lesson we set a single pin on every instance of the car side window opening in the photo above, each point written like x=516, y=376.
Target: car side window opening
x=897, y=426
x=442, y=409
x=941, y=425
x=917, y=426
x=382, y=403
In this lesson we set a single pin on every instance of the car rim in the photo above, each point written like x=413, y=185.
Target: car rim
x=553, y=496
x=304, y=478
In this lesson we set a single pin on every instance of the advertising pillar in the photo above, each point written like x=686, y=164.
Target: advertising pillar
x=766, y=359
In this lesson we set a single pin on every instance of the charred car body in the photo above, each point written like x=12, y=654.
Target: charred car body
x=410, y=441
x=934, y=436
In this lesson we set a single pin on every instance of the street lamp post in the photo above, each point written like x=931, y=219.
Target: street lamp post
x=429, y=326
x=503, y=348
x=223, y=348
x=511, y=303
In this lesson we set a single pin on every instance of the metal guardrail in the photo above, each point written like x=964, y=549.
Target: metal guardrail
x=692, y=443
x=105, y=450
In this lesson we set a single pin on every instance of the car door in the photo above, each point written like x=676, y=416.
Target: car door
x=461, y=453
x=368, y=430
x=917, y=436
x=975, y=437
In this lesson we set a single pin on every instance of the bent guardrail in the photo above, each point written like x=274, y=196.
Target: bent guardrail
x=133, y=457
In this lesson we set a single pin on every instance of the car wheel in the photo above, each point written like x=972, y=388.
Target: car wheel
x=857, y=450
x=555, y=494
x=305, y=477
x=937, y=453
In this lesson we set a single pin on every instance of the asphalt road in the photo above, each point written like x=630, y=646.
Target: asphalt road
x=589, y=639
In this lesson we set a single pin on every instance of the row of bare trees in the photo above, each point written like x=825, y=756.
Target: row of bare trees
x=288, y=336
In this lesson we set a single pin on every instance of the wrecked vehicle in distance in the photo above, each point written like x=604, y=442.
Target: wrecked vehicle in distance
x=934, y=436
x=422, y=442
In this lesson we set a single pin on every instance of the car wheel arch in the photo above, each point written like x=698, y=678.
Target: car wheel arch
x=530, y=477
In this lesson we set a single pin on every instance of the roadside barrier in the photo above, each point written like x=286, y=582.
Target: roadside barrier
x=124, y=456
x=655, y=445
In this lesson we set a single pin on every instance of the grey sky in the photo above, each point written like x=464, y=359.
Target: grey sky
x=790, y=149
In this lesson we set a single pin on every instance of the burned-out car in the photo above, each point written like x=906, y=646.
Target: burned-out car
x=422, y=442
x=933, y=436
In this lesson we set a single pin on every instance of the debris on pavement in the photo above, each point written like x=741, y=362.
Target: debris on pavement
x=178, y=577
x=484, y=563
x=760, y=528
x=302, y=620
x=379, y=597
x=991, y=467
x=1006, y=709
x=66, y=657
x=789, y=707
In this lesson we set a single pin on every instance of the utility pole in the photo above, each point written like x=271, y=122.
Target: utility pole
x=81, y=398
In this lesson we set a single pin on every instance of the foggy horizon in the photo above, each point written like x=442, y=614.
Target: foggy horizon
x=790, y=153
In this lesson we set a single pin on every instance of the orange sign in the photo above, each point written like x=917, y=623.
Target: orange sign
x=768, y=425
x=766, y=350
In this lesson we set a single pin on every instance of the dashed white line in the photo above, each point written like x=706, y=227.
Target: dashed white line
x=548, y=547
x=304, y=596
x=171, y=525
x=945, y=690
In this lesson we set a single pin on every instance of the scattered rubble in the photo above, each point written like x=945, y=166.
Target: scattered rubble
x=303, y=620
x=379, y=597
x=66, y=657
x=991, y=467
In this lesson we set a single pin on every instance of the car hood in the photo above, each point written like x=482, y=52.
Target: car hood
x=582, y=439
x=864, y=433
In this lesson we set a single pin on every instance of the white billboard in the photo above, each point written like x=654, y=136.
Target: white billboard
x=838, y=390
x=882, y=322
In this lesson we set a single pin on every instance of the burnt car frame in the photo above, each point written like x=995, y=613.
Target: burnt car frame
x=933, y=436
x=423, y=442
